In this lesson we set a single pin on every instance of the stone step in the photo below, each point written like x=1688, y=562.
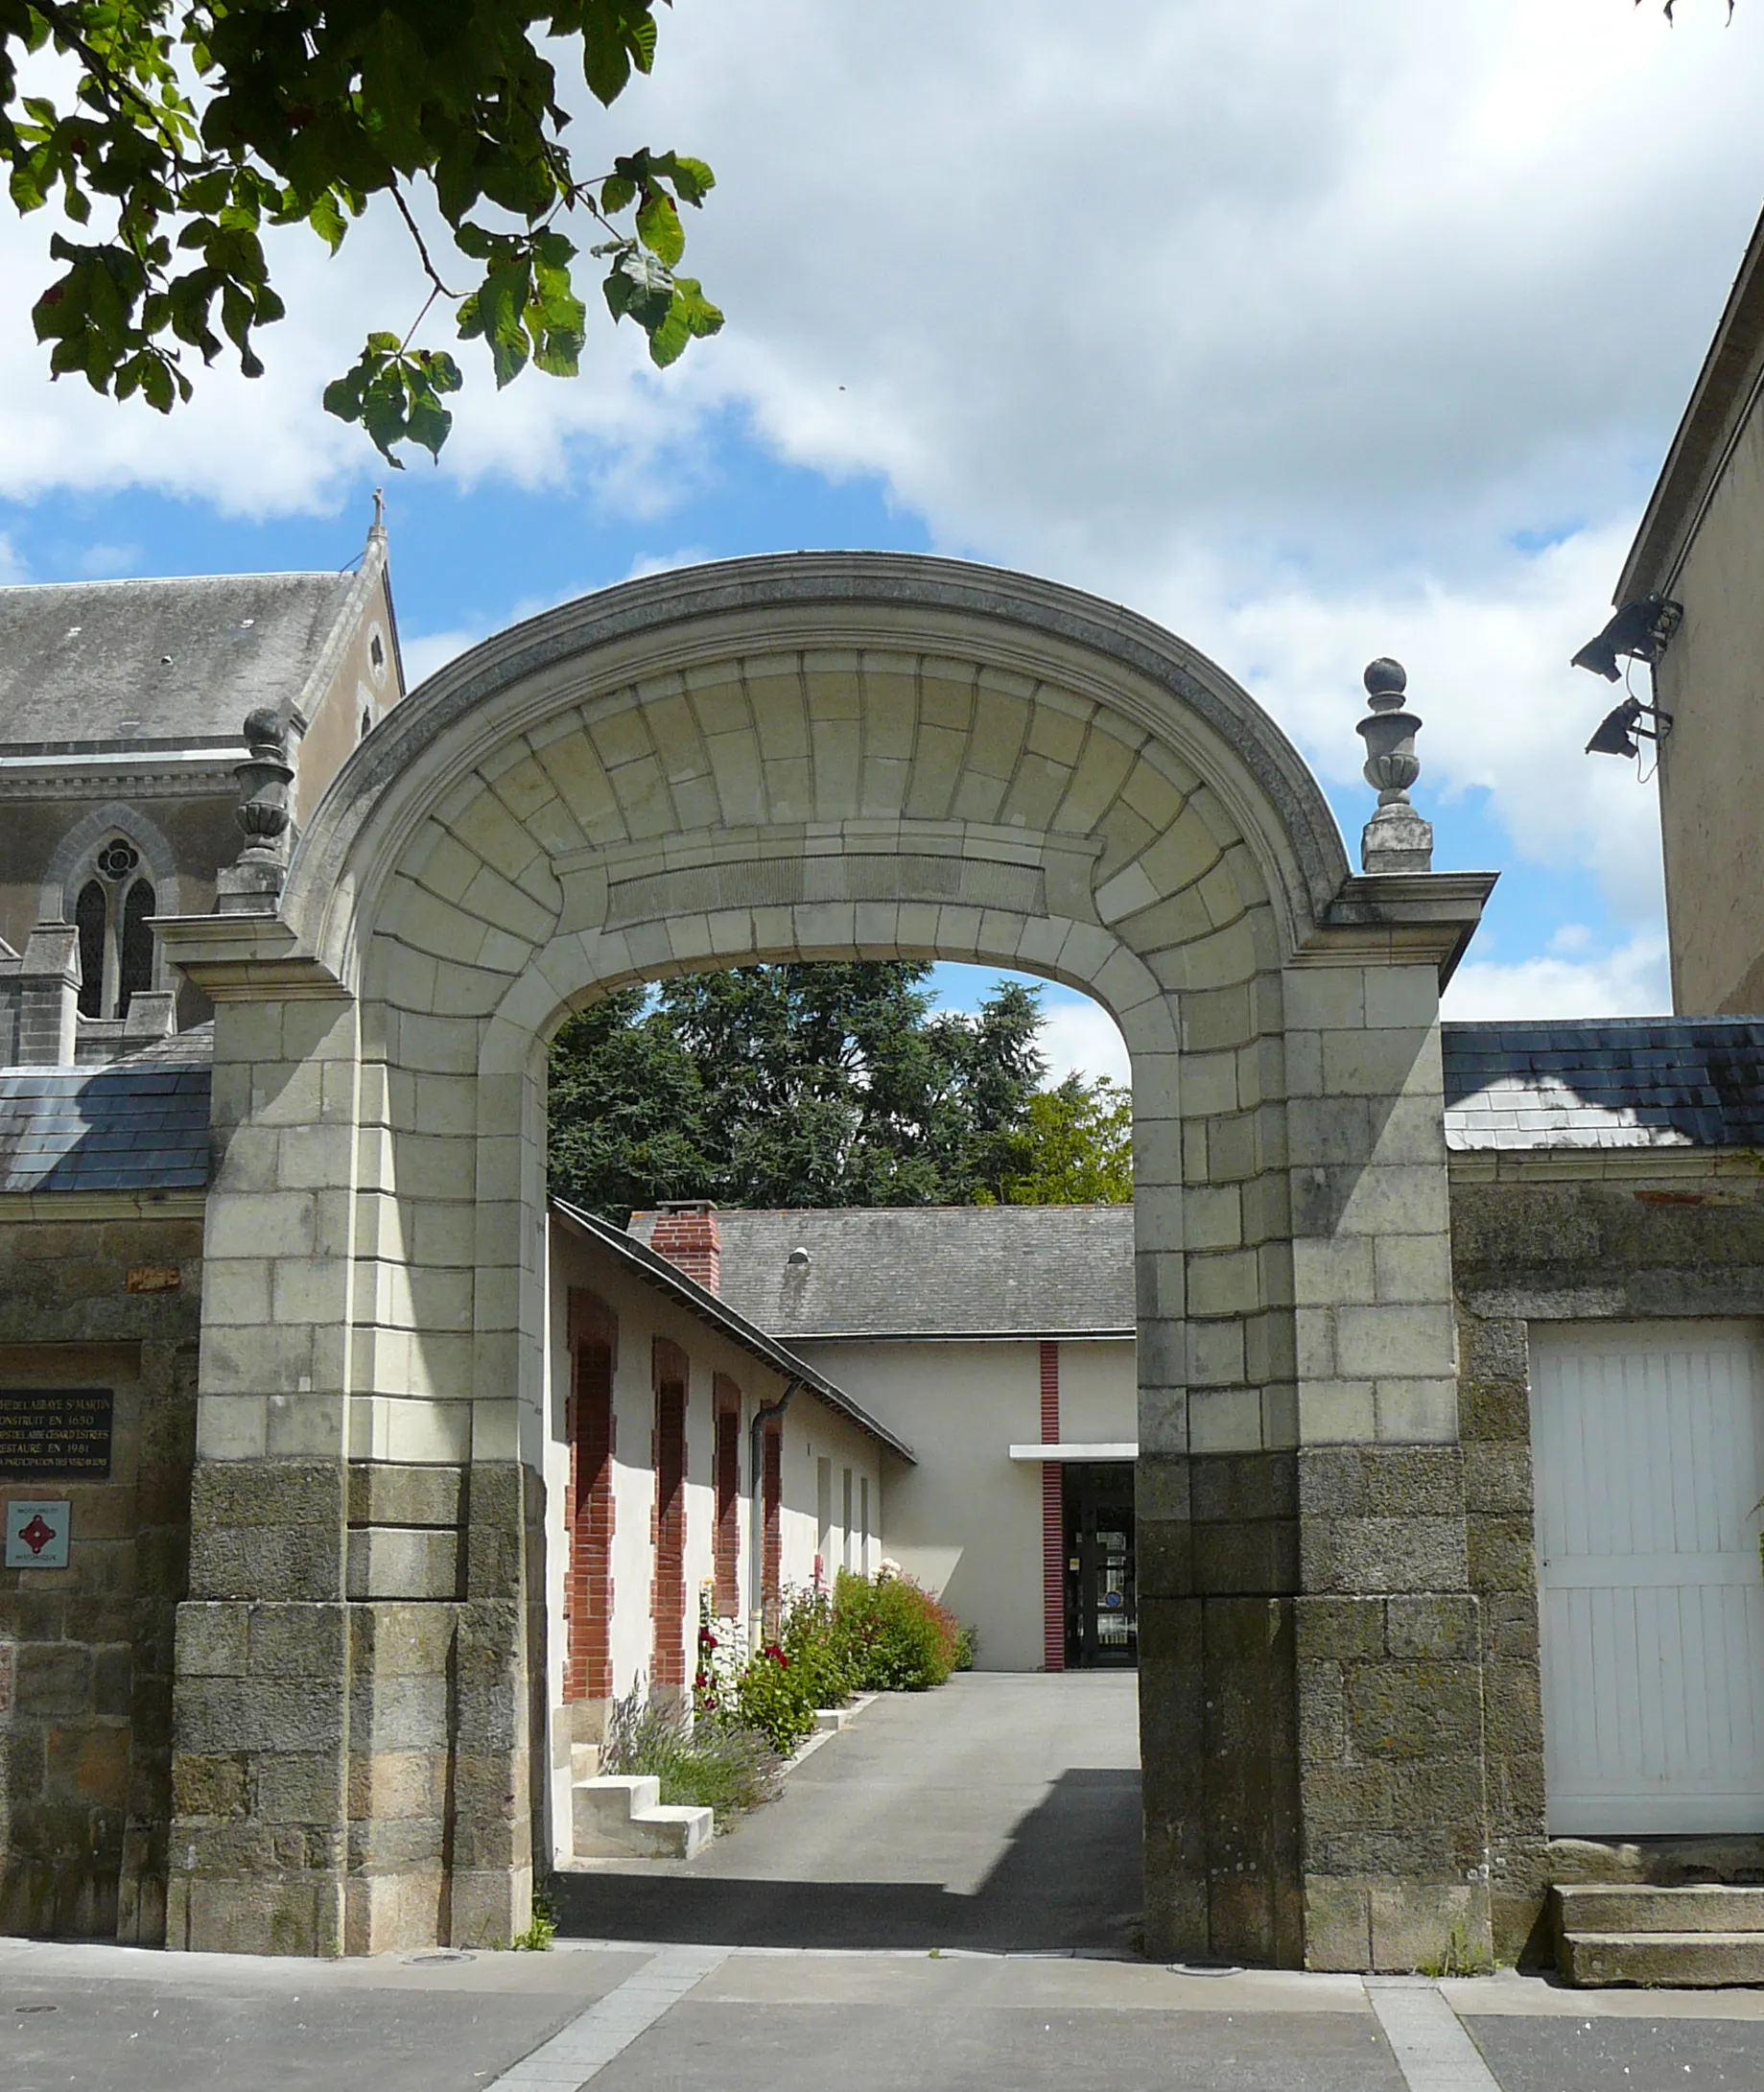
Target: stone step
x=1593, y=1960
x=830, y=1721
x=584, y=1761
x=619, y=1815
x=1626, y=1907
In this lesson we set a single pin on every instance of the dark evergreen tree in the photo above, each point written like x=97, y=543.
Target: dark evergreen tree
x=814, y=1083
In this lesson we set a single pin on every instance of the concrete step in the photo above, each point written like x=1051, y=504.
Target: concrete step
x=619, y=1815
x=1593, y=1960
x=1636, y=1907
x=830, y=1721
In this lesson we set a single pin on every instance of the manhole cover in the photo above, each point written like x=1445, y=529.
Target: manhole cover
x=433, y=1955
x=33, y=2008
x=1206, y=1969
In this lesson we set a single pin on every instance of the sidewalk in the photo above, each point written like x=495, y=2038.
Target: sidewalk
x=631, y=2018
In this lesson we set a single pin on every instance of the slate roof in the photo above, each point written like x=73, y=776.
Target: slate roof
x=160, y=663
x=138, y=1125
x=973, y=1271
x=712, y=1308
x=1613, y=1082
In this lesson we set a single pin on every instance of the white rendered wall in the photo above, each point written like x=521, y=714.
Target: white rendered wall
x=812, y=1430
x=966, y=1521
x=1099, y=1393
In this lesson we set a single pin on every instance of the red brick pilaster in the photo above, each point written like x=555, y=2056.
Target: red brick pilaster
x=668, y=1668
x=1053, y=1520
x=772, y=1559
x=588, y=1507
x=728, y=1480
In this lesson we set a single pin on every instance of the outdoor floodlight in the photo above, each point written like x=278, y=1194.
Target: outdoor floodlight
x=1640, y=631
x=1618, y=729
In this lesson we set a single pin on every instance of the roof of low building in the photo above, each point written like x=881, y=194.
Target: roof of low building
x=139, y=1125
x=721, y=1315
x=1612, y=1082
x=945, y=1271
x=98, y=665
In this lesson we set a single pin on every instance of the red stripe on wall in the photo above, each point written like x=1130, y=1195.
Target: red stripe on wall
x=667, y=1666
x=1053, y=1520
x=588, y=1508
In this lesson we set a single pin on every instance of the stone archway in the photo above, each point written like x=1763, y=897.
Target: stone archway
x=825, y=756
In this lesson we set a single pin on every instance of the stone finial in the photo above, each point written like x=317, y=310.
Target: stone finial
x=253, y=884
x=1395, y=840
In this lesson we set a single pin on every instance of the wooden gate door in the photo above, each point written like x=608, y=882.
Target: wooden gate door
x=1648, y=1449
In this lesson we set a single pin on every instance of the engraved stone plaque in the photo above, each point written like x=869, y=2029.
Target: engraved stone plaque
x=63, y=1432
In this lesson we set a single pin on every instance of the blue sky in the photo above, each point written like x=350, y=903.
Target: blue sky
x=1354, y=355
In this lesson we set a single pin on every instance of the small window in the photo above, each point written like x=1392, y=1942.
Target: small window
x=136, y=968
x=111, y=919
x=376, y=651
x=367, y=723
x=91, y=919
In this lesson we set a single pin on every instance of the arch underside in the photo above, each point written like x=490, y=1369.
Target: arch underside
x=1010, y=776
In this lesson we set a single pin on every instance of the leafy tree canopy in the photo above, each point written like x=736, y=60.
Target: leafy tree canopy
x=822, y=1085
x=191, y=124
x=1080, y=1147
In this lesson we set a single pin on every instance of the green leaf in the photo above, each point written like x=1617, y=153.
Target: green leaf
x=659, y=228
x=326, y=218
x=618, y=193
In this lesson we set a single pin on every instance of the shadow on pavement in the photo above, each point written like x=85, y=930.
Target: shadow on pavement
x=1071, y=1881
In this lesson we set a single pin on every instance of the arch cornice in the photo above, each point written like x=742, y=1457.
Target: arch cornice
x=1143, y=674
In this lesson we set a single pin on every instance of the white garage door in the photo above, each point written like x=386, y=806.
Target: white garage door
x=1648, y=1448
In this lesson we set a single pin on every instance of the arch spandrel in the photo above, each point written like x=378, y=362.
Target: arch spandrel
x=728, y=691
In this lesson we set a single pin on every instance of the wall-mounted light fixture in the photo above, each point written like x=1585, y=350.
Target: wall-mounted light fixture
x=1618, y=730
x=1640, y=631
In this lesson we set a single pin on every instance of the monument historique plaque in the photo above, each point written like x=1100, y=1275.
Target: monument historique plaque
x=61, y=1432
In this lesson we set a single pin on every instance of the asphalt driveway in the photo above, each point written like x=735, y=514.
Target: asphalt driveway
x=1001, y=1813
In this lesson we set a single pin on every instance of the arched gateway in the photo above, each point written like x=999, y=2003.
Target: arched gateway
x=824, y=756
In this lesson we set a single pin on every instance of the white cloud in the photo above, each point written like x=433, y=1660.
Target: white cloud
x=423, y=654
x=1297, y=327
x=1629, y=981
x=12, y=565
x=1081, y=1038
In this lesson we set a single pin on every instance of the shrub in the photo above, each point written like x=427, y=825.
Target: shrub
x=809, y=1638
x=966, y=1647
x=712, y=1762
x=777, y=1697
x=892, y=1637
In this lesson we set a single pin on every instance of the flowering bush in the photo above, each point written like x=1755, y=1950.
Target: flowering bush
x=777, y=1697
x=891, y=1635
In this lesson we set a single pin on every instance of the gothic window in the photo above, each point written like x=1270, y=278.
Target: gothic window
x=116, y=947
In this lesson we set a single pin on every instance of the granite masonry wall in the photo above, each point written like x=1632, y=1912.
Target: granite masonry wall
x=1547, y=1235
x=86, y=1651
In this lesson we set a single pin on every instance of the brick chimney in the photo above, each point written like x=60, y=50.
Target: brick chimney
x=686, y=1234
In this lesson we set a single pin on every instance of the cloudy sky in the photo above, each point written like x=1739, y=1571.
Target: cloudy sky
x=1314, y=332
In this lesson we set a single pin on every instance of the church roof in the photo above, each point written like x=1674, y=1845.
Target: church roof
x=177, y=664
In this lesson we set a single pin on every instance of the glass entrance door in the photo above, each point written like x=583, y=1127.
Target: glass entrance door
x=1102, y=1625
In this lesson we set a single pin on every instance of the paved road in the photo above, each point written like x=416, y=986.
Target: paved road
x=1002, y=1813
x=945, y=1890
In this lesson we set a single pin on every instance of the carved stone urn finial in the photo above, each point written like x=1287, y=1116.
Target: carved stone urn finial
x=253, y=884
x=1395, y=840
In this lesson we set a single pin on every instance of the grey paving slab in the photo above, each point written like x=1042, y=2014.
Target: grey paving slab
x=1602, y=2054
x=111, y=2021
x=758, y=2049
x=1001, y=1813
